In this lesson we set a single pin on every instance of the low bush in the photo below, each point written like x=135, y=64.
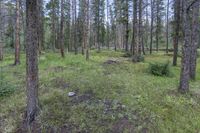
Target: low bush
x=160, y=69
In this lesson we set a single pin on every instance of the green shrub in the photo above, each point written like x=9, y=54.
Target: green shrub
x=160, y=69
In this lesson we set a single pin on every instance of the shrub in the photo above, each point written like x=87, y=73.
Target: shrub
x=160, y=69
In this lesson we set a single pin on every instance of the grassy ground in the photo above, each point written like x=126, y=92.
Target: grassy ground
x=117, y=96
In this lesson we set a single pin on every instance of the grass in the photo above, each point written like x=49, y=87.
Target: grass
x=117, y=97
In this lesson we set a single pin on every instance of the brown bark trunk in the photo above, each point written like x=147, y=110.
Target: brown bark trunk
x=152, y=20
x=62, y=30
x=177, y=10
x=185, y=69
x=1, y=50
x=195, y=40
x=31, y=61
x=17, y=34
x=134, y=37
x=127, y=30
x=167, y=29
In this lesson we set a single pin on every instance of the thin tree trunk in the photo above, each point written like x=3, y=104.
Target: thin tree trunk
x=1, y=49
x=31, y=61
x=62, y=30
x=167, y=30
x=127, y=30
x=107, y=24
x=140, y=28
x=157, y=25
x=1, y=38
x=17, y=34
x=134, y=36
x=176, y=30
x=152, y=20
x=54, y=28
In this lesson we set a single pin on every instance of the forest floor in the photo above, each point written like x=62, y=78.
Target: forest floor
x=113, y=95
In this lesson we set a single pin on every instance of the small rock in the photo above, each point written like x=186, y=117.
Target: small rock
x=71, y=94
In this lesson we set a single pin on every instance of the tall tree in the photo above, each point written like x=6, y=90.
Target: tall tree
x=195, y=39
x=31, y=60
x=41, y=25
x=74, y=25
x=86, y=29
x=167, y=28
x=177, y=18
x=135, y=31
x=152, y=25
x=17, y=34
x=1, y=41
x=190, y=14
x=159, y=16
x=62, y=30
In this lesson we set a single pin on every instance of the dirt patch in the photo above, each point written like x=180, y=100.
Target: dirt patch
x=111, y=62
x=60, y=83
x=111, y=107
x=123, y=125
x=57, y=69
x=87, y=96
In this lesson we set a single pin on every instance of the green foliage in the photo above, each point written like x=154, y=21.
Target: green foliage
x=160, y=69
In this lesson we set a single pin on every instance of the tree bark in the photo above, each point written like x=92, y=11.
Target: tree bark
x=62, y=30
x=134, y=36
x=127, y=23
x=17, y=34
x=177, y=10
x=186, y=49
x=167, y=29
x=1, y=38
x=152, y=20
x=31, y=61
x=195, y=39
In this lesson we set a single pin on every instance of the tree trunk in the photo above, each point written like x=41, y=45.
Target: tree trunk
x=54, y=28
x=195, y=39
x=167, y=30
x=140, y=47
x=152, y=20
x=31, y=61
x=134, y=36
x=176, y=30
x=1, y=49
x=157, y=24
x=62, y=30
x=127, y=30
x=17, y=34
x=87, y=28
x=185, y=69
